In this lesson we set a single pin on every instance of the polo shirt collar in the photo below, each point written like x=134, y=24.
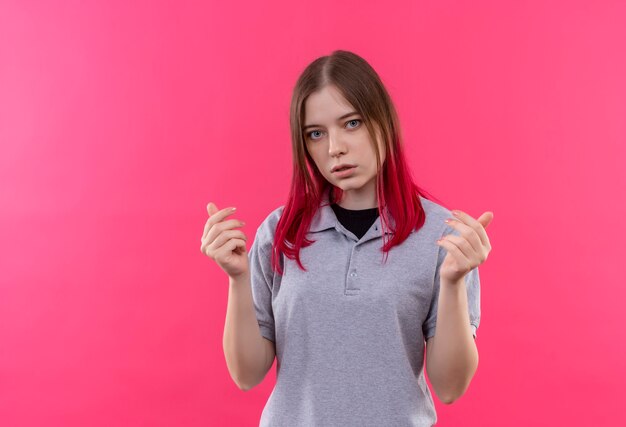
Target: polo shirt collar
x=325, y=218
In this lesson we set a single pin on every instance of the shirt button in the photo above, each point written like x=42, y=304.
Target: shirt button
x=353, y=274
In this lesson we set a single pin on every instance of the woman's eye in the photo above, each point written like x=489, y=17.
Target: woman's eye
x=310, y=134
x=355, y=120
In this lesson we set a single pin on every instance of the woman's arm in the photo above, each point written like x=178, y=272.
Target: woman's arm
x=249, y=355
x=451, y=355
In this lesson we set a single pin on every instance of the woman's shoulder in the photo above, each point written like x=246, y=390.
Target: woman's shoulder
x=272, y=218
x=267, y=228
x=434, y=208
x=435, y=213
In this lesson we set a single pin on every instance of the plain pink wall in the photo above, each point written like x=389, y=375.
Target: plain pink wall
x=120, y=121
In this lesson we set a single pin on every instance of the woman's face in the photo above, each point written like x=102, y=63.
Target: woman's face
x=335, y=134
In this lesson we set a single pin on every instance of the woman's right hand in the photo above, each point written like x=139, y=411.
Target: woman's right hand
x=225, y=245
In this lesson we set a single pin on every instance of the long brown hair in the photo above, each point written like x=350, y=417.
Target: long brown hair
x=361, y=86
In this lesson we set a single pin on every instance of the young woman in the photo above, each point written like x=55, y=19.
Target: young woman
x=357, y=277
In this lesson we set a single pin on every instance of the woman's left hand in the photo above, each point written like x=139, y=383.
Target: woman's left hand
x=466, y=251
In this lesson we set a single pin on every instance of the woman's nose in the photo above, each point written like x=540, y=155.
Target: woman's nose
x=335, y=144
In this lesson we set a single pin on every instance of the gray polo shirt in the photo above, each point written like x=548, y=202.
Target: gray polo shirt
x=349, y=332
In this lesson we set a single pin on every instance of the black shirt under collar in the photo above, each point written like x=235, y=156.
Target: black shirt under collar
x=357, y=221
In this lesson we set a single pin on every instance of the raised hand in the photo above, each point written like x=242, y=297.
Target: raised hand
x=223, y=243
x=468, y=250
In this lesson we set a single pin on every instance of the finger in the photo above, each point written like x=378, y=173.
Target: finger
x=211, y=208
x=460, y=244
x=468, y=232
x=224, y=237
x=227, y=249
x=216, y=217
x=486, y=218
x=452, y=248
x=477, y=226
x=240, y=246
x=221, y=226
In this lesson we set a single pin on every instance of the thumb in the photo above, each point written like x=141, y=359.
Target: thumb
x=486, y=218
x=211, y=208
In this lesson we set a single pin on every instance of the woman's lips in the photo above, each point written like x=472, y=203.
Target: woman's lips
x=344, y=172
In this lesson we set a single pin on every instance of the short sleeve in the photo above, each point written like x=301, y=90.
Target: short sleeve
x=472, y=284
x=261, y=280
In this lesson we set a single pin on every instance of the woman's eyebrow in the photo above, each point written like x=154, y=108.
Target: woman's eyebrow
x=351, y=113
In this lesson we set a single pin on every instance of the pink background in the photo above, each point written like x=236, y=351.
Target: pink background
x=120, y=121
